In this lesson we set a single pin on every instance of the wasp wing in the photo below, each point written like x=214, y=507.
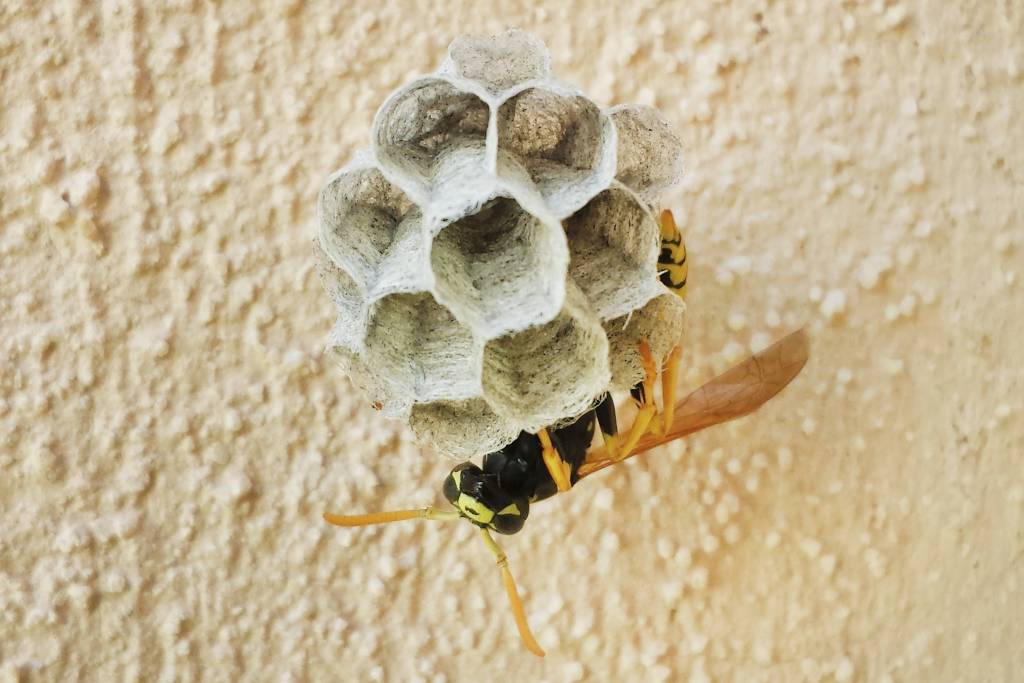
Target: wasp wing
x=736, y=392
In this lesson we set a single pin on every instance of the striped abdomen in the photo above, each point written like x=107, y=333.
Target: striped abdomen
x=672, y=261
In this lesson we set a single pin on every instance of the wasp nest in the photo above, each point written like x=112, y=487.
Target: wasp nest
x=493, y=256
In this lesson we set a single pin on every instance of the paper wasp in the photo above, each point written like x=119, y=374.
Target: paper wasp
x=497, y=495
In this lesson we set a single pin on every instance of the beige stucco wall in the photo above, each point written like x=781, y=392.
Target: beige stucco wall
x=170, y=433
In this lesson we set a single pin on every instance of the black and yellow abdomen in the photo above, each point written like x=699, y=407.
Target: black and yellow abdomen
x=672, y=261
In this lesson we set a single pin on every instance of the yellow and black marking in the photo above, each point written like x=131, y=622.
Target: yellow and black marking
x=672, y=261
x=497, y=496
x=674, y=269
x=557, y=467
x=479, y=498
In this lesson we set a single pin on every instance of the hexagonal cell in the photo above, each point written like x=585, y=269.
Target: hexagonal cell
x=614, y=233
x=419, y=346
x=660, y=322
x=500, y=268
x=650, y=156
x=358, y=214
x=564, y=140
x=543, y=374
x=461, y=429
x=498, y=62
x=419, y=122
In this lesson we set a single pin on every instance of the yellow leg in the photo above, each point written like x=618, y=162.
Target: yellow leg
x=513, y=595
x=558, y=468
x=611, y=445
x=669, y=381
x=637, y=430
x=648, y=409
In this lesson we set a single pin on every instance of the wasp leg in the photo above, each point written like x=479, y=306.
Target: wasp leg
x=608, y=423
x=669, y=380
x=643, y=394
x=559, y=469
x=513, y=595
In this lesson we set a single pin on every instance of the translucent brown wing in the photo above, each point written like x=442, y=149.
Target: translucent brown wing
x=736, y=392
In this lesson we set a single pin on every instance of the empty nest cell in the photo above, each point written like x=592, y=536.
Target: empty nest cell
x=417, y=343
x=650, y=156
x=543, y=374
x=420, y=122
x=498, y=62
x=614, y=233
x=500, y=268
x=565, y=142
x=359, y=212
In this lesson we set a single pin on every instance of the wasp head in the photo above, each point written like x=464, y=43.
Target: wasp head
x=479, y=499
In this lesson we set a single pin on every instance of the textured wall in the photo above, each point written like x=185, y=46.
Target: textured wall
x=170, y=432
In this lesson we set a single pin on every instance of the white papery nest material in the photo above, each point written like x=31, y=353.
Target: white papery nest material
x=493, y=255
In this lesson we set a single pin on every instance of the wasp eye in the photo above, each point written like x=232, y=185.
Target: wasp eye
x=507, y=524
x=451, y=489
x=512, y=517
x=453, y=484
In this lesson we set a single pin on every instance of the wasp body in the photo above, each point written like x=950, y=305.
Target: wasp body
x=497, y=495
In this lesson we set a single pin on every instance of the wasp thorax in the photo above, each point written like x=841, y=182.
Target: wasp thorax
x=479, y=498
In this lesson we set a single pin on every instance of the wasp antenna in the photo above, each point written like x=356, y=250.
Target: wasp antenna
x=513, y=594
x=391, y=516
